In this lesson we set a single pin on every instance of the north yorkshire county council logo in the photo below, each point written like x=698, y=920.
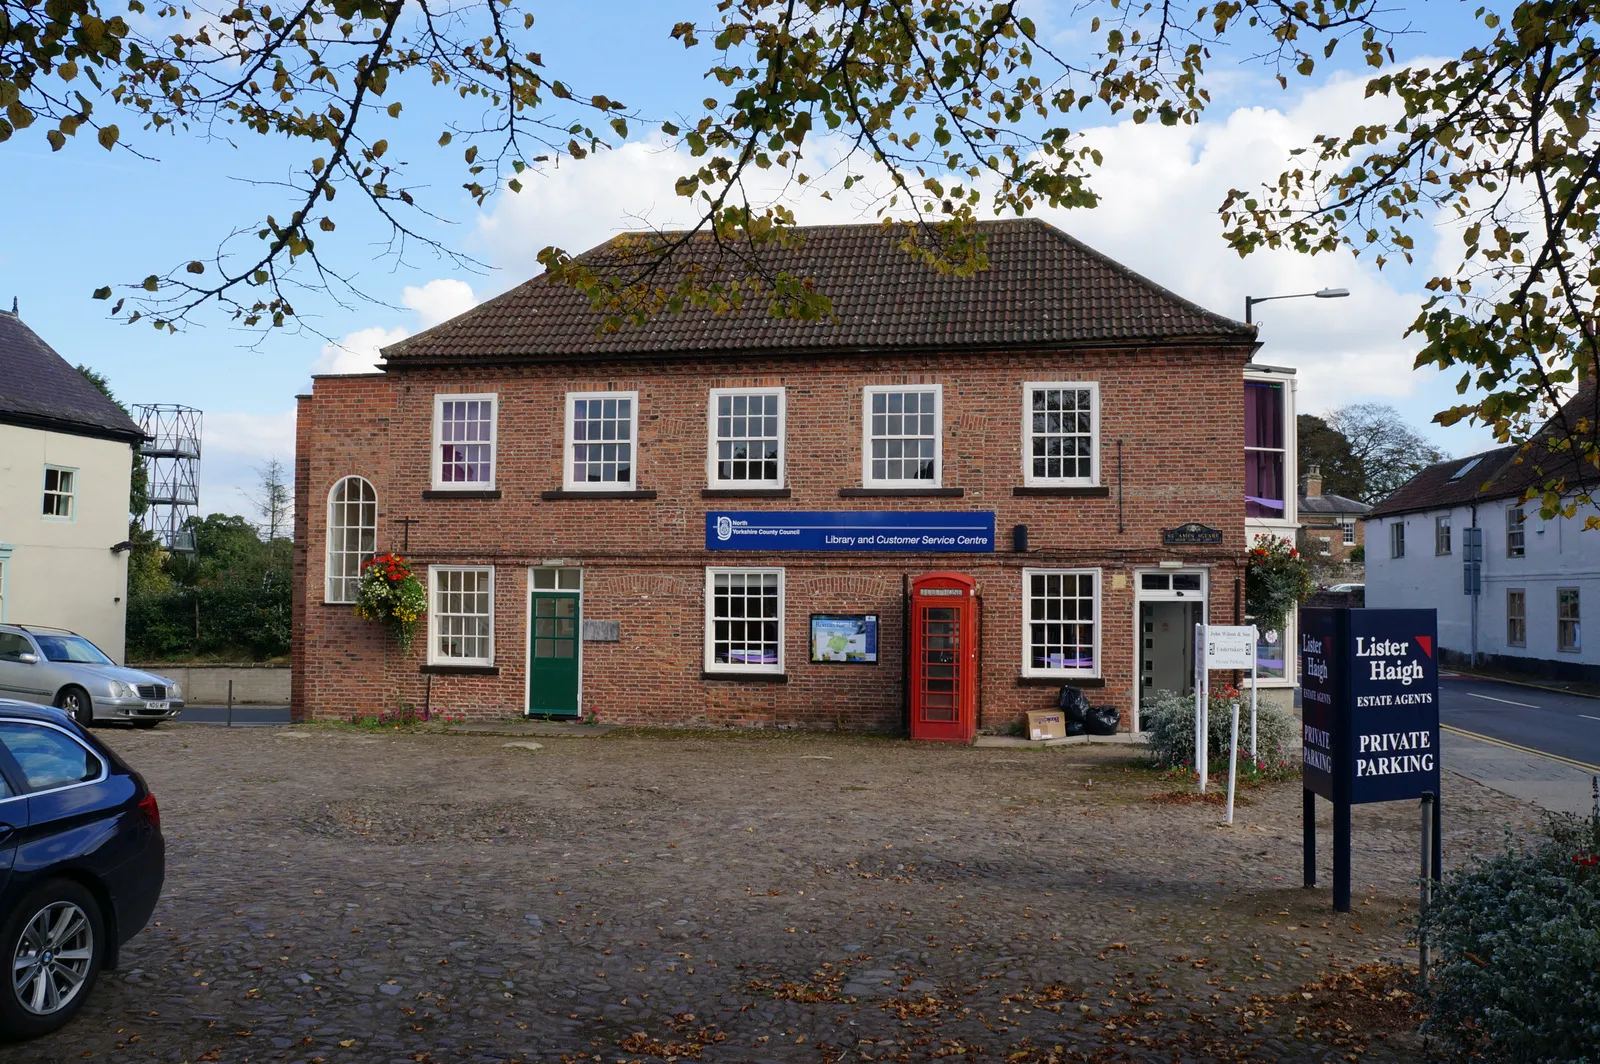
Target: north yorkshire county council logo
x=724, y=528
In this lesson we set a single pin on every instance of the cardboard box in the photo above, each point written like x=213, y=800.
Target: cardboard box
x=1047, y=724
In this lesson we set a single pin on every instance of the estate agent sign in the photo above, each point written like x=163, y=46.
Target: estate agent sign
x=1370, y=689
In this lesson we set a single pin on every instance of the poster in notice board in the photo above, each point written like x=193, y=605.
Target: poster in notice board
x=844, y=638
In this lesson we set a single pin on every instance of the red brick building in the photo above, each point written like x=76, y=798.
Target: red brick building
x=1059, y=429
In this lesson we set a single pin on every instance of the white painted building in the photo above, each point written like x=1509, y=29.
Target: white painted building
x=66, y=461
x=1538, y=577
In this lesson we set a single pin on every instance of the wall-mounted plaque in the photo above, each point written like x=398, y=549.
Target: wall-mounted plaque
x=602, y=631
x=1191, y=534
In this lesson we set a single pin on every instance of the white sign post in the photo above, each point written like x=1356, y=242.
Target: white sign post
x=1233, y=760
x=1202, y=702
x=1220, y=646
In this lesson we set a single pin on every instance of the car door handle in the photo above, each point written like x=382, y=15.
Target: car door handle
x=5, y=831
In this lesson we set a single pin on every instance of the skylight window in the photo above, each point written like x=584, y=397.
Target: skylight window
x=1464, y=470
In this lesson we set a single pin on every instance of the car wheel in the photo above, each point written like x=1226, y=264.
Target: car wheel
x=53, y=944
x=75, y=700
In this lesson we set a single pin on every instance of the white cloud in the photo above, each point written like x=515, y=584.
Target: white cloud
x=579, y=205
x=439, y=300
x=358, y=352
x=1161, y=188
x=233, y=446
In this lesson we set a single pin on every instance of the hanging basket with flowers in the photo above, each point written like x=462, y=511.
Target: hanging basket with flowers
x=391, y=593
x=1277, y=579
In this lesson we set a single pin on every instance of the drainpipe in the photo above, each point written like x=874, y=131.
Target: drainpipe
x=1475, y=598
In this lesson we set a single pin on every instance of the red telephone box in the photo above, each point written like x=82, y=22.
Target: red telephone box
x=944, y=657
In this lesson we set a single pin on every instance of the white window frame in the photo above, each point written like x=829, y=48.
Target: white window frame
x=632, y=483
x=1442, y=543
x=712, y=439
x=1028, y=668
x=709, y=654
x=436, y=461
x=1397, y=539
x=1348, y=526
x=1576, y=620
x=434, y=657
x=70, y=496
x=867, y=392
x=1028, y=477
x=328, y=535
x=1521, y=617
x=1517, y=525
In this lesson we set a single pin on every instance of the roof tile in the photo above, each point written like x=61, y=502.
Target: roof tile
x=1042, y=288
x=39, y=386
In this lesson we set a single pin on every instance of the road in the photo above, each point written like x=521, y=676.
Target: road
x=1561, y=725
x=247, y=716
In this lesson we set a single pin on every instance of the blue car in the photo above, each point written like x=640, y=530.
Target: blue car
x=82, y=860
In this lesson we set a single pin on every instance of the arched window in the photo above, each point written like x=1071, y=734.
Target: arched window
x=352, y=535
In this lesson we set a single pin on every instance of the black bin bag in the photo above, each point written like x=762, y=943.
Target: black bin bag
x=1074, y=705
x=1102, y=720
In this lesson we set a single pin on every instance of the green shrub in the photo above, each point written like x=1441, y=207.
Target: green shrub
x=1168, y=722
x=235, y=615
x=1517, y=942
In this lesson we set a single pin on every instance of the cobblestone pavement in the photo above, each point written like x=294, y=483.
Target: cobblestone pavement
x=348, y=897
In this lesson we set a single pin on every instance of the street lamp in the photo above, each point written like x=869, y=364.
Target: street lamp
x=1323, y=293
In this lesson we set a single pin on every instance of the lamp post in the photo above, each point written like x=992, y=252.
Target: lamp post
x=1321, y=293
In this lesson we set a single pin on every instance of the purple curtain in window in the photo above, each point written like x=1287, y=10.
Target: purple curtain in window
x=1263, y=469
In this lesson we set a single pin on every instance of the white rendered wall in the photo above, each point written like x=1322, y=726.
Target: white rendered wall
x=63, y=573
x=1557, y=554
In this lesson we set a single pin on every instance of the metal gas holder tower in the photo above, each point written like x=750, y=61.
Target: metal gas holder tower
x=171, y=451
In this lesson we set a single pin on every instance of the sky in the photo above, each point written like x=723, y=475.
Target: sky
x=83, y=217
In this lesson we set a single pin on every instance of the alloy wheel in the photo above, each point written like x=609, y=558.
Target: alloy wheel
x=77, y=706
x=52, y=958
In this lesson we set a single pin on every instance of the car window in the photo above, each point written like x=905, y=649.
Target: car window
x=72, y=648
x=48, y=758
x=13, y=646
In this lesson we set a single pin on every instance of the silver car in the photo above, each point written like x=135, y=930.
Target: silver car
x=56, y=667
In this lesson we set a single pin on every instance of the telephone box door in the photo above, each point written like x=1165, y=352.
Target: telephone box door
x=944, y=657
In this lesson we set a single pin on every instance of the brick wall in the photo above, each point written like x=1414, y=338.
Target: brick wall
x=1177, y=413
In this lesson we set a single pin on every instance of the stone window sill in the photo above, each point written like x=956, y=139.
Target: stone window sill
x=744, y=493
x=461, y=493
x=874, y=493
x=747, y=677
x=557, y=494
x=1057, y=681
x=460, y=670
x=1062, y=492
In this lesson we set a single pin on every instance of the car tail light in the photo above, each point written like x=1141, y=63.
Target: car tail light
x=148, y=806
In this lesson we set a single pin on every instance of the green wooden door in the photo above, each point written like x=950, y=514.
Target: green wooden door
x=553, y=671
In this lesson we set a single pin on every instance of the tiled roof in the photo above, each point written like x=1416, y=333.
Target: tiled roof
x=39, y=387
x=1504, y=472
x=1331, y=504
x=1438, y=486
x=1042, y=288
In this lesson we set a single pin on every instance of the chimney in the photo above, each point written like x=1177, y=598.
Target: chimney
x=1313, y=481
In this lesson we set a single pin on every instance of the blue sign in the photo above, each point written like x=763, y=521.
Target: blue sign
x=850, y=530
x=1370, y=690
